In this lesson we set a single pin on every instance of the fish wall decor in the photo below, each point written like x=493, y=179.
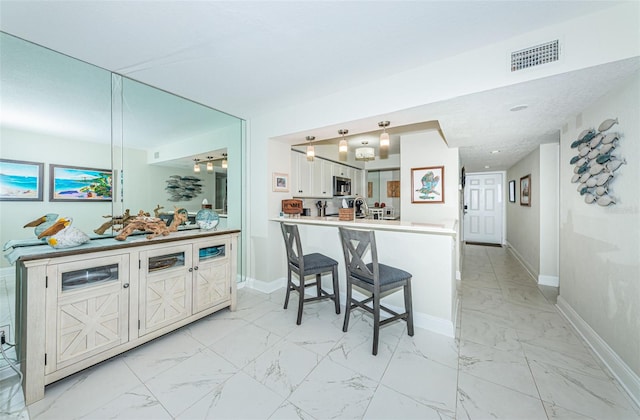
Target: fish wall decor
x=595, y=166
x=183, y=188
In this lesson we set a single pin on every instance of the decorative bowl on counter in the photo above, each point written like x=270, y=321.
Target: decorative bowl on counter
x=207, y=219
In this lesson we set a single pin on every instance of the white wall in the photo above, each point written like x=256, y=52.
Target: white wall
x=523, y=222
x=600, y=246
x=424, y=150
x=424, y=85
x=549, y=214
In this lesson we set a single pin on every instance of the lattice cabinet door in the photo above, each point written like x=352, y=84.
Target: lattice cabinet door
x=165, y=287
x=87, y=304
x=212, y=284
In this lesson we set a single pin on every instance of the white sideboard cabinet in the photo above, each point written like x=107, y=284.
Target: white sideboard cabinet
x=80, y=306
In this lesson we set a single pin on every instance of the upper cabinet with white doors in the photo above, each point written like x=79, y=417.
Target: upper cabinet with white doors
x=314, y=179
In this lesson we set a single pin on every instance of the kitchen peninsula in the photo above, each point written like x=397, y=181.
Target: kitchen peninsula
x=426, y=250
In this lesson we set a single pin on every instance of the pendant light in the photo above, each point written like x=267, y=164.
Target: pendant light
x=365, y=152
x=342, y=147
x=311, y=153
x=224, y=161
x=209, y=164
x=384, y=137
x=196, y=166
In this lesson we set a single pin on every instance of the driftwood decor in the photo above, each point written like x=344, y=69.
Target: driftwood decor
x=154, y=225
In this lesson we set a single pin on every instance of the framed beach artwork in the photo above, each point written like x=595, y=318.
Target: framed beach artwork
x=427, y=185
x=525, y=190
x=21, y=180
x=73, y=183
x=280, y=182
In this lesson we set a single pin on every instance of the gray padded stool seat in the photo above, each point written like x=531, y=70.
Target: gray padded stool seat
x=374, y=278
x=306, y=265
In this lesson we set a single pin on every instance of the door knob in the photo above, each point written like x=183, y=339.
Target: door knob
x=190, y=270
x=125, y=286
x=195, y=268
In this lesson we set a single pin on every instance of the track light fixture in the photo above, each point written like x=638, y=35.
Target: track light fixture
x=196, y=166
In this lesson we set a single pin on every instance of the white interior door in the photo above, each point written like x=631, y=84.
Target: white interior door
x=484, y=201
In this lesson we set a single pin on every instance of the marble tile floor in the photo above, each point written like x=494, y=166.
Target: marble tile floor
x=514, y=357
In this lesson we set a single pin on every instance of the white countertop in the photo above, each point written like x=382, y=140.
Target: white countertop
x=443, y=227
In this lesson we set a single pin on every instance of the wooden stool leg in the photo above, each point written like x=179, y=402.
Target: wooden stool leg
x=347, y=307
x=318, y=284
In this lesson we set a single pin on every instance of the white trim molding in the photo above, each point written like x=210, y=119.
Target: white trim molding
x=629, y=380
x=549, y=280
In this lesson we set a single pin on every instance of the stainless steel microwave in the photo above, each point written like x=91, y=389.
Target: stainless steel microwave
x=341, y=186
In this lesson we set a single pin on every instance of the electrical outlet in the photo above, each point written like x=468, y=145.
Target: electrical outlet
x=5, y=329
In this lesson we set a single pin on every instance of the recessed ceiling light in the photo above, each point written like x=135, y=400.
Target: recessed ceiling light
x=493, y=152
x=519, y=107
x=486, y=166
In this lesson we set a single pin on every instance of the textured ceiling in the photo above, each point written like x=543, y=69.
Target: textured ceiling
x=246, y=58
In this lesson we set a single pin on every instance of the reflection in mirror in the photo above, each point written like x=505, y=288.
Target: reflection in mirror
x=60, y=111
x=55, y=111
x=383, y=187
x=163, y=134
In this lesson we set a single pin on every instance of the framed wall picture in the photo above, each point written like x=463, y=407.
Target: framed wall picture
x=525, y=190
x=393, y=189
x=74, y=183
x=512, y=191
x=427, y=185
x=21, y=180
x=280, y=182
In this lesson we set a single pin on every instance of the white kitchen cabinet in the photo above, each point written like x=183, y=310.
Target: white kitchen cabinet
x=322, y=178
x=84, y=305
x=302, y=175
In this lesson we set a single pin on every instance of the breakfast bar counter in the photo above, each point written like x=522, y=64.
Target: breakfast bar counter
x=425, y=249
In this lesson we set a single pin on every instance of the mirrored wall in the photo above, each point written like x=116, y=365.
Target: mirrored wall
x=79, y=141
x=383, y=190
x=70, y=120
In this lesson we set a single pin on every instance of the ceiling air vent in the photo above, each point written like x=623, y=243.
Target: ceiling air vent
x=534, y=56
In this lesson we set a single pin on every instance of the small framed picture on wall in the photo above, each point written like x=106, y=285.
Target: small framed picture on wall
x=512, y=191
x=280, y=182
x=525, y=190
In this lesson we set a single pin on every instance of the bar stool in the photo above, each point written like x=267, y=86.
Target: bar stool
x=306, y=265
x=375, y=278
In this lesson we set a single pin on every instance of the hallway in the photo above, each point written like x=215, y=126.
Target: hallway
x=515, y=358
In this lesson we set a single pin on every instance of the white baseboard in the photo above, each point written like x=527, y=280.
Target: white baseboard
x=525, y=264
x=265, y=286
x=629, y=380
x=549, y=280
